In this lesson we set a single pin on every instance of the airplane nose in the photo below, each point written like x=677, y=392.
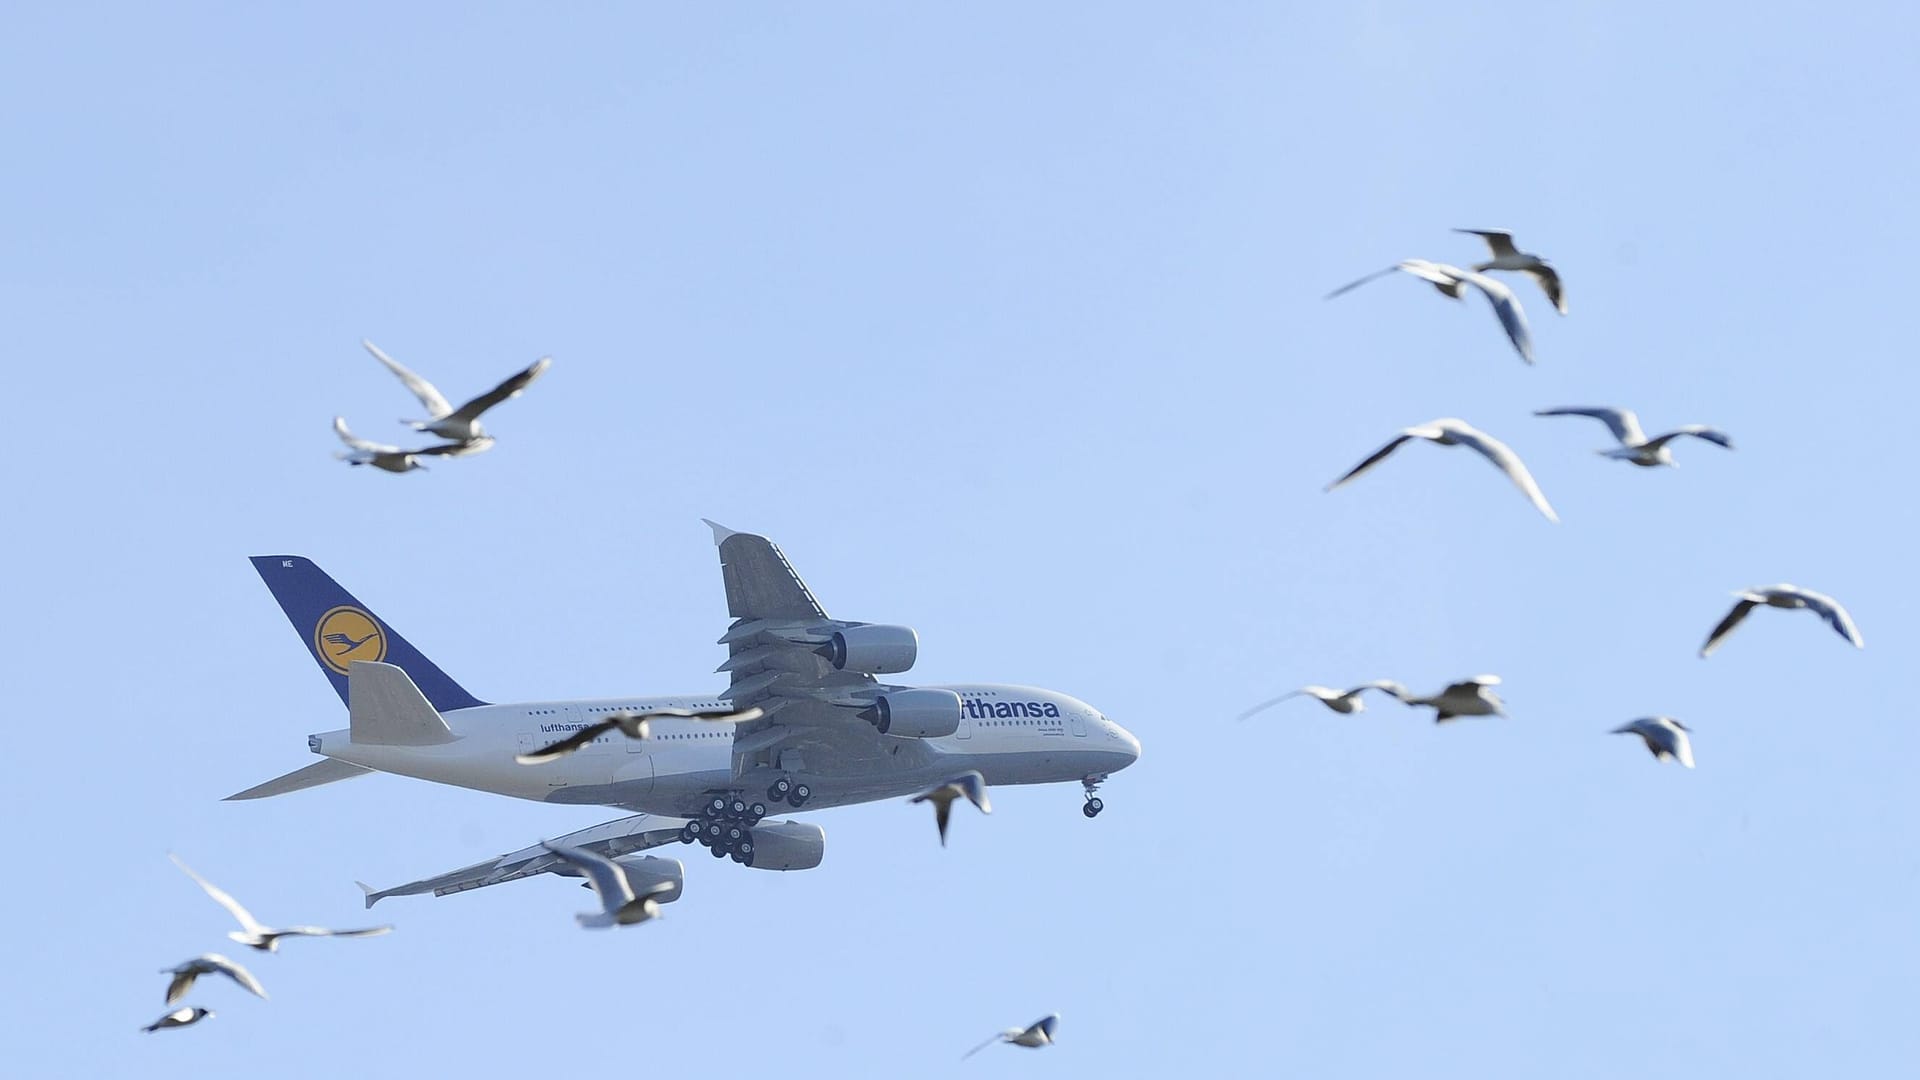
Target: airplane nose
x=1128, y=740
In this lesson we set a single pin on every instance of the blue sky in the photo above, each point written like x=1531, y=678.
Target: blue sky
x=1005, y=323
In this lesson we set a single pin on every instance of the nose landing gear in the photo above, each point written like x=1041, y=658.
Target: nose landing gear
x=1093, y=804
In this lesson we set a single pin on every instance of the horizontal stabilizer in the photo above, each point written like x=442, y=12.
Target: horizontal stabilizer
x=385, y=708
x=320, y=772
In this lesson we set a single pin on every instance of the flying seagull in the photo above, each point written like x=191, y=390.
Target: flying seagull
x=187, y=971
x=1035, y=1035
x=462, y=424
x=1469, y=697
x=631, y=724
x=264, y=938
x=391, y=458
x=1341, y=701
x=1508, y=257
x=1634, y=444
x=620, y=907
x=180, y=1018
x=969, y=785
x=1664, y=736
x=1449, y=431
x=1789, y=597
x=1449, y=279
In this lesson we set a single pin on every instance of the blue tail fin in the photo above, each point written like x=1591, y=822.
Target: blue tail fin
x=339, y=630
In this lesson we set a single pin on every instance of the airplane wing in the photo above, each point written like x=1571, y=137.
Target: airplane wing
x=612, y=839
x=778, y=649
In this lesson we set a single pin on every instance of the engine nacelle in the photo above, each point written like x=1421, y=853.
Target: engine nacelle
x=875, y=649
x=788, y=845
x=915, y=714
x=644, y=871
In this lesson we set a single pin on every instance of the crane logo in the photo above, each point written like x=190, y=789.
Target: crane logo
x=345, y=634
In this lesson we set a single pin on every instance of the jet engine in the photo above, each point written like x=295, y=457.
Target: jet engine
x=915, y=714
x=787, y=845
x=644, y=871
x=873, y=648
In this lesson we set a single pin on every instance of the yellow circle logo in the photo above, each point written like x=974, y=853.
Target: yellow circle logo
x=346, y=634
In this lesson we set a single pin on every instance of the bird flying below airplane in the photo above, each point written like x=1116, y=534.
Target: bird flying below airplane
x=256, y=935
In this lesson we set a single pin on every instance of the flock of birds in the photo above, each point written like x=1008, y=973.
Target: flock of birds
x=621, y=904
x=253, y=933
x=461, y=427
x=1666, y=737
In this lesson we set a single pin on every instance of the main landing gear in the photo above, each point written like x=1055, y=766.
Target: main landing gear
x=789, y=791
x=725, y=827
x=1093, y=805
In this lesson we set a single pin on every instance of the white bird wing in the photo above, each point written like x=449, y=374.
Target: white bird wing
x=1352, y=285
x=1002, y=1037
x=974, y=787
x=609, y=881
x=1549, y=280
x=181, y=982
x=1392, y=688
x=321, y=931
x=1506, y=306
x=1321, y=692
x=1506, y=460
x=216, y=962
x=1836, y=616
x=510, y=388
x=1681, y=743
x=1046, y=1025
x=1622, y=422
x=1374, y=459
x=358, y=443
x=1499, y=242
x=1698, y=431
x=1733, y=619
x=220, y=896
x=430, y=398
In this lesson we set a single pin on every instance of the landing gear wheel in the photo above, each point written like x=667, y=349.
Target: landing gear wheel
x=735, y=834
x=718, y=851
x=799, y=796
x=745, y=851
x=737, y=808
x=716, y=806
x=755, y=813
x=778, y=791
x=714, y=832
x=689, y=832
x=1093, y=807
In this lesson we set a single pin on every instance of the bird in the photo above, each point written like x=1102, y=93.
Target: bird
x=180, y=1018
x=264, y=938
x=1634, y=445
x=620, y=907
x=1449, y=279
x=969, y=785
x=1469, y=697
x=1508, y=257
x=1035, y=1035
x=391, y=458
x=1789, y=597
x=1664, y=736
x=462, y=424
x=185, y=972
x=1346, y=702
x=631, y=724
x=1450, y=431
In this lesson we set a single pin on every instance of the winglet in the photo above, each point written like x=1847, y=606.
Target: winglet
x=373, y=895
x=720, y=532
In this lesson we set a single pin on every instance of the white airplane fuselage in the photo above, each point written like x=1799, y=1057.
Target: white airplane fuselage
x=1010, y=734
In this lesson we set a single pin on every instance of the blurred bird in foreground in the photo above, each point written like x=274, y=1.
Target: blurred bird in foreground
x=1791, y=597
x=253, y=933
x=969, y=785
x=1665, y=737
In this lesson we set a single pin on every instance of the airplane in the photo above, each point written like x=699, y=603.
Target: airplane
x=828, y=733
